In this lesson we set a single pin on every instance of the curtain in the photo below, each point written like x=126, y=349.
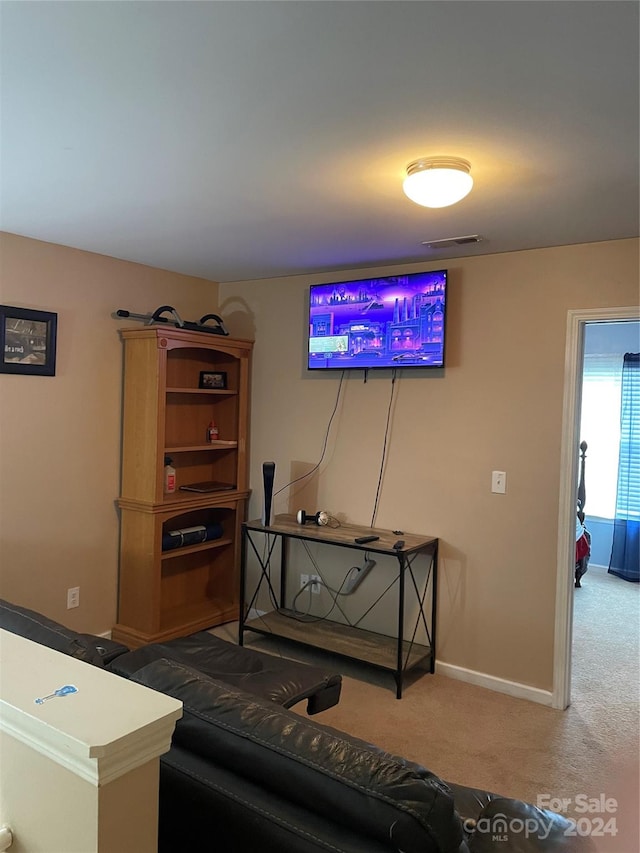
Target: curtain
x=625, y=551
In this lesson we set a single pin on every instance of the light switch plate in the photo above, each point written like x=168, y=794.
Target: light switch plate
x=499, y=482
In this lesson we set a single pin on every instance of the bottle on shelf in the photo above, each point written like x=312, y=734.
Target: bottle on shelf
x=169, y=476
x=212, y=432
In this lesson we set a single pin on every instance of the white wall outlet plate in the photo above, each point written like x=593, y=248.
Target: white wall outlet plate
x=499, y=482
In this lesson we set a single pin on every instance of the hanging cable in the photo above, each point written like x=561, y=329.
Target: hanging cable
x=324, y=446
x=384, y=447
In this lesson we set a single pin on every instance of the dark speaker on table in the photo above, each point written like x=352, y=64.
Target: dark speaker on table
x=268, y=475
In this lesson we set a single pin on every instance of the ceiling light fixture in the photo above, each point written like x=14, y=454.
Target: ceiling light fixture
x=438, y=181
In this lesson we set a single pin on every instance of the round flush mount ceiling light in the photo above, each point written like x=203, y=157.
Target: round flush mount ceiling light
x=438, y=181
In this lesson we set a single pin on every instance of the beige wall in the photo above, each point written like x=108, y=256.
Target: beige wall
x=498, y=407
x=60, y=436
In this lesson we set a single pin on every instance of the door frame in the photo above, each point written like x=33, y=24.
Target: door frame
x=573, y=368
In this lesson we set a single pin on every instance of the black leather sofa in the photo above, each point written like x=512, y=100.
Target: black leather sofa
x=245, y=773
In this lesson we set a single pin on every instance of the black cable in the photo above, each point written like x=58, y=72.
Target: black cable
x=298, y=616
x=334, y=593
x=324, y=446
x=384, y=447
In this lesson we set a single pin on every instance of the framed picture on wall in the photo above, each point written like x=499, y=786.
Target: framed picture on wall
x=27, y=341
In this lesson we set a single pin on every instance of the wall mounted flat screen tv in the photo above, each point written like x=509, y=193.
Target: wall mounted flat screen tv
x=397, y=321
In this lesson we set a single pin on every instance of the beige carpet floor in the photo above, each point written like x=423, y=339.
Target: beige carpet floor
x=474, y=736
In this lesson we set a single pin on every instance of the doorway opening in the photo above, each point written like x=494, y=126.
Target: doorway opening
x=575, y=340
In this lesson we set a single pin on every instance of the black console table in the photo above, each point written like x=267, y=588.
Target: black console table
x=395, y=654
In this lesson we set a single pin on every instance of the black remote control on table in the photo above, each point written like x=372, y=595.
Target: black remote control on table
x=362, y=540
x=399, y=545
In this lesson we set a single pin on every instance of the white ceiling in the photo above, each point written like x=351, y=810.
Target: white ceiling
x=240, y=140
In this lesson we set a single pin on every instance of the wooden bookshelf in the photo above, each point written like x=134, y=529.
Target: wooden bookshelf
x=171, y=593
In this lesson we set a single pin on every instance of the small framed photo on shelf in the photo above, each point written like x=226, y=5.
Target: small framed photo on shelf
x=213, y=379
x=27, y=341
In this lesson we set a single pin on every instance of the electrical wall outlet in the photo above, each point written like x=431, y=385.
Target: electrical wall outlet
x=73, y=597
x=314, y=586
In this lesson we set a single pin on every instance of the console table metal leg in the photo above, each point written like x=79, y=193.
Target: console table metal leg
x=243, y=570
x=284, y=547
x=434, y=597
x=264, y=562
x=399, y=664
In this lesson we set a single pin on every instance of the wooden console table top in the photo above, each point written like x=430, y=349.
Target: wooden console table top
x=345, y=535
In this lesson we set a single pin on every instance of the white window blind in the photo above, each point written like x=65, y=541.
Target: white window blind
x=600, y=428
x=628, y=498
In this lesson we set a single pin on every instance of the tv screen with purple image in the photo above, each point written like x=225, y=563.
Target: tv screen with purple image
x=397, y=321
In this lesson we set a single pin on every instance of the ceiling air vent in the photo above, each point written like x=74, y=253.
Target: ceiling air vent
x=452, y=241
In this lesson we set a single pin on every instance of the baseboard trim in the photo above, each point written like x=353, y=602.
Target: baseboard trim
x=491, y=682
x=105, y=634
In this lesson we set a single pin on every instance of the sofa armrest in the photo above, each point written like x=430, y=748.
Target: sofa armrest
x=108, y=649
x=519, y=827
x=34, y=626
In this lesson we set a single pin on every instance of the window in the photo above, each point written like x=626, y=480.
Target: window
x=600, y=428
x=628, y=498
